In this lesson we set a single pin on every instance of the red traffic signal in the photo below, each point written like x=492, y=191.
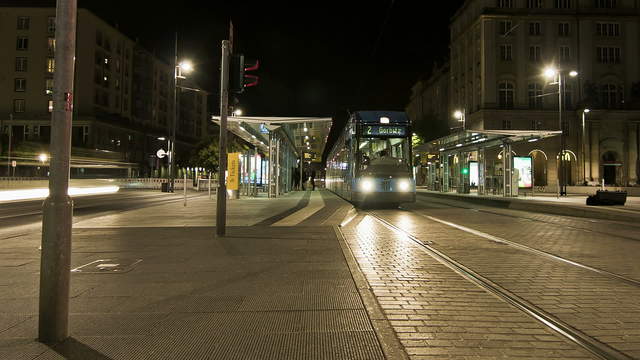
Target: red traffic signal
x=239, y=79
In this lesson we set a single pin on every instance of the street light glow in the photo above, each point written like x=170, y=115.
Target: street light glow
x=186, y=66
x=550, y=72
x=573, y=73
x=457, y=114
x=237, y=112
x=587, y=110
x=162, y=138
x=43, y=157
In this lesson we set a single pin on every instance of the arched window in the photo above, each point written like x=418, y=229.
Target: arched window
x=535, y=96
x=506, y=95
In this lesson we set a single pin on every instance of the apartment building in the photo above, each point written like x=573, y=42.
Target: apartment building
x=498, y=53
x=123, y=96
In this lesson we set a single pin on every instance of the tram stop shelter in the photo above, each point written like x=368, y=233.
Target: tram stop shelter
x=281, y=145
x=480, y=159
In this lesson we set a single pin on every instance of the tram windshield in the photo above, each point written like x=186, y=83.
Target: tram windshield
x=384, y=154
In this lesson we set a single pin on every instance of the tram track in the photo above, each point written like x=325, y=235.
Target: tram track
x=599, y=349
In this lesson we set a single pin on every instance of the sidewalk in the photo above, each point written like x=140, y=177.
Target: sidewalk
x=571, y=205
x=262, y=292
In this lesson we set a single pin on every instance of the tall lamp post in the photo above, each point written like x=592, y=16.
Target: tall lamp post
x=557, y=76
x=584, y=139
x=181, y=68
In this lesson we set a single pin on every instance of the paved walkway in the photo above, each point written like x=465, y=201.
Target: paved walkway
x=262, y=292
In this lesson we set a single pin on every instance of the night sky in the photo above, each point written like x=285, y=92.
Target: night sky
x=317, y=58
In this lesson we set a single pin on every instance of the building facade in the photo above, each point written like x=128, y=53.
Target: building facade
x=123, y=97
x=498, y=53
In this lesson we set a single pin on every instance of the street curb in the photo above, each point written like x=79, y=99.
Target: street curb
x=547, y=207
x=391, y=346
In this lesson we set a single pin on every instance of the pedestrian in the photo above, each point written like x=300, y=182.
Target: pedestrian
x=313, y=180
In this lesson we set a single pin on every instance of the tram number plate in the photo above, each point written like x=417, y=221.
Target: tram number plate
x=375, y=130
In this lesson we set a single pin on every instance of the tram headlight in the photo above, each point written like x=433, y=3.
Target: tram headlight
x=366, y=185
x=404, y=185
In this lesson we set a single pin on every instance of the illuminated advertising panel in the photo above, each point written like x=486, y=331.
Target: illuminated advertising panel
x=525, y=171
x=473, y=173
x=376, y=130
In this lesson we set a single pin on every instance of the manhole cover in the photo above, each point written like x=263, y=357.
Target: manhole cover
x=108, y=266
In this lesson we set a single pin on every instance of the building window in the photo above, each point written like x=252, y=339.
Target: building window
x=535, y=4
x=505, y=27
x=23, y=22
x=535, y=96
x=99, y=38
x=611, y=96
x=535, y=28
x=605, y=4
x=51, y=46
x=50, y=105
x=536, y=124
x=51, y=65
x=506, y=124
x=534, y=53
x=506, y=95
x=563, y=4
x=506, y=53
x=505, y=3
x=563, y=29
x=608, y=29
x=21, y=64
x=608, y=55
x=48, y=86
x=51, y=24
x=22, y=43
x=18, y=106
x=565, y=54
x=20, y=85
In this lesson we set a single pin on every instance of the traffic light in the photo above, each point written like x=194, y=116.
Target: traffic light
x=238, y=77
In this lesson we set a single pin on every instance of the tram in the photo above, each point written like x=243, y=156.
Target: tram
x=370, y=163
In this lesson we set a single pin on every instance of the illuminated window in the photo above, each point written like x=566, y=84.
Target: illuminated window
x=51, y=46
x=48, y=86
x=51, y=65
x=50, y=105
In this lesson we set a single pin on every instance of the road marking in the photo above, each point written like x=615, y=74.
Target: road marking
x=316, y=203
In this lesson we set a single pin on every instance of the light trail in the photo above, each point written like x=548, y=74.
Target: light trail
x=42, y=193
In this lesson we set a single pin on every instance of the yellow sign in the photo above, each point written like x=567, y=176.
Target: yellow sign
x=233, y=167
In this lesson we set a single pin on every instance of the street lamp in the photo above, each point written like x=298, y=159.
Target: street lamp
x=237, y=112
x=584, y=139
x=557, y=75
x=460, y=115
x=180, y=68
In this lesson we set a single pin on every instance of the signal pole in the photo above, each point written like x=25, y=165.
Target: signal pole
x=221, y=211
x=57, y=210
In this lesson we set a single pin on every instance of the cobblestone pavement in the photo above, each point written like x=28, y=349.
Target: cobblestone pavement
x=603, y=308
x=436, y=313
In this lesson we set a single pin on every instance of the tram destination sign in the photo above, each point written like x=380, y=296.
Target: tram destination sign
x=379, y=130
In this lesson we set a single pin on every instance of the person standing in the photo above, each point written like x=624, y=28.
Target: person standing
x=313, y=180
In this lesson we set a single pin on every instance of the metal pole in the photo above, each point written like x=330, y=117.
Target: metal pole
x=9, y=146
x=53, y=324
x=584, y=161
x=209, y=185
x=175, y=117
x=184, y=187
x=221, y=212
x=561, y=163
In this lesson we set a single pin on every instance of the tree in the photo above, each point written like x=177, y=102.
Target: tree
x=206, y=153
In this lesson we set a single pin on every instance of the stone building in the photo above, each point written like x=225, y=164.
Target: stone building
x=123, y=96
x=498, y=53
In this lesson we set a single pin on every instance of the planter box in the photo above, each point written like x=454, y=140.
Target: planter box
x=607, y=198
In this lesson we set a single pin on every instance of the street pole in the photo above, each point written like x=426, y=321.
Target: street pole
x=561, y=189
x=221, y=212
x=9, y=146
x=53, y=325
x=175, y=117
x=584, y=161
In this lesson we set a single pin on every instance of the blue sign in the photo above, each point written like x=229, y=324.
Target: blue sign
x=263, y=129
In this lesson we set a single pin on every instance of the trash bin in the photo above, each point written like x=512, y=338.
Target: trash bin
x=164, y=187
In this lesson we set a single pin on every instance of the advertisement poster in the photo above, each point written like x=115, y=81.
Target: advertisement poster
x=233, y=166
x=473, y=173
x=525, y=169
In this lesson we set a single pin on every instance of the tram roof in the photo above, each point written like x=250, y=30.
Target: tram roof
x=474, y=139
x=395, y=117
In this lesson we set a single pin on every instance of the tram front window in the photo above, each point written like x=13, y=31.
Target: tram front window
x=387, y=153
